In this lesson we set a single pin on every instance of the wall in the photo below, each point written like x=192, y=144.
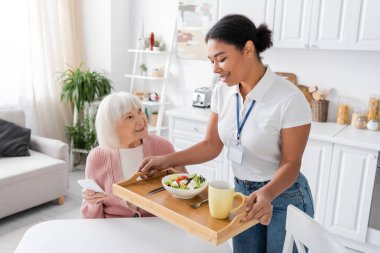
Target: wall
x=112, y=26
x=106, y=25
x=352, y=74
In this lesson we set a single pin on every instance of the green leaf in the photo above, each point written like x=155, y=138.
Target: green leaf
x=83, y=86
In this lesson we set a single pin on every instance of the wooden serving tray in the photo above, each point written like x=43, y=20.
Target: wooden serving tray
x=179, y=211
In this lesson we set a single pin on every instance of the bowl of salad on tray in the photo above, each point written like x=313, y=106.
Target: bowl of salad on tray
x=184, y=186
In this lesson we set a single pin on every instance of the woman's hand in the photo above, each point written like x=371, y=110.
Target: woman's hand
x=151, y=164
x=92, y=197
x=259, y=207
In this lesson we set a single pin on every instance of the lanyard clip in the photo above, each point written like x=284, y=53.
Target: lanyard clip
x=237, y=142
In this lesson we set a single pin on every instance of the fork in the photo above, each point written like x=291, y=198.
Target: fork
x=198, y=204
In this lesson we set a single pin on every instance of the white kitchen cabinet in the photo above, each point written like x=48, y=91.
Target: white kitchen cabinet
x=316, y=164
x=186, y=128
x=327, y=24
x=319, y=24
x=292, y=23
x=351, y=186
x=259, y=11
x=330, y=24
x=365, y=33
x=340, y=164
x=350, y=191
x=316, y=24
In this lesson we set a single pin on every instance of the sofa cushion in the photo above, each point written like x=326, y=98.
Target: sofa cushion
x=14, y=139
x=14, y=169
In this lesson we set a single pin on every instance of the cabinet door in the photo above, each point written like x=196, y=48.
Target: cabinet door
x=316, y=163
x=365, y=31
x=208, y=169
x=292, y=23
x=259, y=11
x=330, y=24
x=184, y=133
x=350, y=191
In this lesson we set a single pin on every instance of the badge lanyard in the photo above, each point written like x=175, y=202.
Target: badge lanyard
x=235, y=150
x=239, y=128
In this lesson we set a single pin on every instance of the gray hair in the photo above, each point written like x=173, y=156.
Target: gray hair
x=112, y=108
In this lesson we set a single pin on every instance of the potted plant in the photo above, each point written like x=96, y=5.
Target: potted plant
x=82, y=87
x=156, y=46
x=82, y=134
x=143, y=69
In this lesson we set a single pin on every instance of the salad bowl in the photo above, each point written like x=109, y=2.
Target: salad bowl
x=183, y=185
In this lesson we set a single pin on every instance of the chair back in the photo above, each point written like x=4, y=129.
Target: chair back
x=303, y=231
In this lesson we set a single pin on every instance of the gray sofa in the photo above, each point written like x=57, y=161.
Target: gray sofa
x=29, y=181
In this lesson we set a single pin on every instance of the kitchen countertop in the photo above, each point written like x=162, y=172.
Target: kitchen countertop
x=193, y=113
x=326, y=131
x=359, y=138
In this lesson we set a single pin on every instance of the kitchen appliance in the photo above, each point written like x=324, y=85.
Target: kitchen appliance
x=202, y=97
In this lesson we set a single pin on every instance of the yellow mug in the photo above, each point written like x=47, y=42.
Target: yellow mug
x=220, y=199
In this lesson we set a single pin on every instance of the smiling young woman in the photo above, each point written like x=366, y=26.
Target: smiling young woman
x=263, y=121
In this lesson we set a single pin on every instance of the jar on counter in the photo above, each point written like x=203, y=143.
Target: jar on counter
x=372, y=125
x=373, y=107
x=359, y=119
x=361, y=122
x=343, y=112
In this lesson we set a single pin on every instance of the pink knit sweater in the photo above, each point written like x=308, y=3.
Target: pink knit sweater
x=103, y=166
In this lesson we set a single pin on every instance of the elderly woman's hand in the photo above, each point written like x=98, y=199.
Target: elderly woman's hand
x=92, y=197
x=259, y=207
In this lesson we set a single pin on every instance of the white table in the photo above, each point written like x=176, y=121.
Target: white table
x=113, y=235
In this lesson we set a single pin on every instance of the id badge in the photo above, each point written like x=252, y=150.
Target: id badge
x=235, y=152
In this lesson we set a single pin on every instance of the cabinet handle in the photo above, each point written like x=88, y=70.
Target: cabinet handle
x=196, y=129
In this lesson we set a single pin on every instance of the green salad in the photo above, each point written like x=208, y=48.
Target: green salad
x=186, y=182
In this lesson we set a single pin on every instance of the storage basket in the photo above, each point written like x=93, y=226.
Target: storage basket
x=319, y=109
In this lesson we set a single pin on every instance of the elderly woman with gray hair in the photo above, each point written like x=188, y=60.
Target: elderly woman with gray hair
x=122, y=132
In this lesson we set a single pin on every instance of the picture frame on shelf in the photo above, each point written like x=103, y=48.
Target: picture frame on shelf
x=195, y=18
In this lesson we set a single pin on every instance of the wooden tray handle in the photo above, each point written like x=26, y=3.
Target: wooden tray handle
x=159, y=173
x=236, y=220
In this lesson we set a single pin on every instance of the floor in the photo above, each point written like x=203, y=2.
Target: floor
x=13, y=227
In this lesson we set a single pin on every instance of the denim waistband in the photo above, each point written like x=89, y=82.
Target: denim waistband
x=248, y=183
x=301, y=178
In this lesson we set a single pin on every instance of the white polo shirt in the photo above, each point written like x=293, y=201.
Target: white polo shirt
x=279, y=104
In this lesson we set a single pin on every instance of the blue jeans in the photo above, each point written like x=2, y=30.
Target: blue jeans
x=270, y=239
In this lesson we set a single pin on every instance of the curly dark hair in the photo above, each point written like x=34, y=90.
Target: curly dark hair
x=237, y=29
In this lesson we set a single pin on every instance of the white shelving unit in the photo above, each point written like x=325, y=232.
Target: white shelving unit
x=151, y=105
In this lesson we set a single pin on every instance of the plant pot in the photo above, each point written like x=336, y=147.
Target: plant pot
x=153, y=119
